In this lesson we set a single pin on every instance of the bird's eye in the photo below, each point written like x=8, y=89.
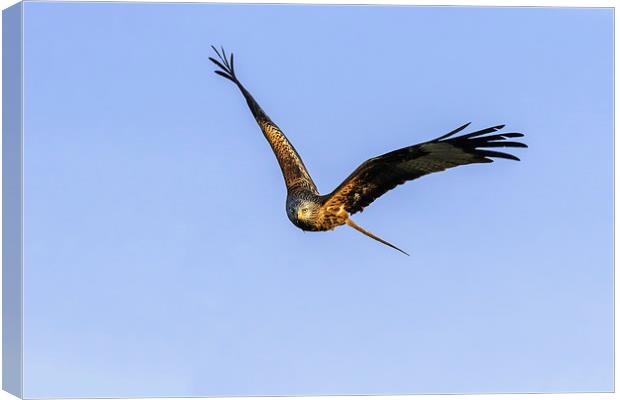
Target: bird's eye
x=304, y=210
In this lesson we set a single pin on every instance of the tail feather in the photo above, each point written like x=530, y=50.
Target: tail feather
x=372, y=235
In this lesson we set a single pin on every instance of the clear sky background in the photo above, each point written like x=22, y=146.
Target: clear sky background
x=159, y=260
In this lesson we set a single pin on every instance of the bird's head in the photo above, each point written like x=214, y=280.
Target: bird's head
x=302, y=212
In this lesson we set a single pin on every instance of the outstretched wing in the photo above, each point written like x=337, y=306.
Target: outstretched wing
x=293, y=169
x=380, y=174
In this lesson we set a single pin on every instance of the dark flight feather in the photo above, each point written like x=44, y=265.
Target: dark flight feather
x=457, y=130
x=380, y=174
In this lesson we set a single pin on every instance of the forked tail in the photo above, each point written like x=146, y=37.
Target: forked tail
x=372, y=235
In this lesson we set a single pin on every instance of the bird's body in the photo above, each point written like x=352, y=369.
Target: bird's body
x=307, y=209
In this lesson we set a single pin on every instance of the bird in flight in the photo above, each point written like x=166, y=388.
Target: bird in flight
x=311, y=211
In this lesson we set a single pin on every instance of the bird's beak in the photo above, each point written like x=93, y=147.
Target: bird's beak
x=298, y=214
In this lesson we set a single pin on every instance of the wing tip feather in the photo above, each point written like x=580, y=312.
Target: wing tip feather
x=476, y=143
x=226, y=66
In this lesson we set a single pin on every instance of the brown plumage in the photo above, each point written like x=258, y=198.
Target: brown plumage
x=310, y=211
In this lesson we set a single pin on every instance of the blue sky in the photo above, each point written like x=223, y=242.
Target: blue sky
x=158, y=256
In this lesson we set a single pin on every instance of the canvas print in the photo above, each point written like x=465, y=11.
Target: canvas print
x=259, y=200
